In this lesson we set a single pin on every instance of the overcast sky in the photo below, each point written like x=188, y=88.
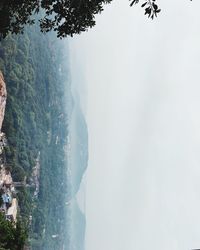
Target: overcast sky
x=143, y=115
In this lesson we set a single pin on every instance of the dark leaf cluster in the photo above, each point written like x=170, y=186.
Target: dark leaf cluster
x=151, y=9
x=66, y=17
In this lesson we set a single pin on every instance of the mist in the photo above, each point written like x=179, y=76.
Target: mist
x=142, y=111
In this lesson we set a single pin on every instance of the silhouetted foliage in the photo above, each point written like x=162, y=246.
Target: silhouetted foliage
x=65, y=17
x=150, y=7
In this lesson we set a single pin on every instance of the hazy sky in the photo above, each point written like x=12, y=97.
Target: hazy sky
x=143, y=115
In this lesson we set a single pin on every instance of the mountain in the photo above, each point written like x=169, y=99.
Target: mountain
x=78, y=227
x=79, y=146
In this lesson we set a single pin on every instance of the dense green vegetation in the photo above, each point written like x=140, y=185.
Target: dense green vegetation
x=11, y=237
x=36, y=120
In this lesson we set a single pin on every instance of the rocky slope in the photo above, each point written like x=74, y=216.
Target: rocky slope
x=3, y=96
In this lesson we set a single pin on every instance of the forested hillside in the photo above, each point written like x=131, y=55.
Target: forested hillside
x=36, y=120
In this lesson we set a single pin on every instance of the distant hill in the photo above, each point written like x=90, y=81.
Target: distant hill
x=78, y=228
x=79, y=146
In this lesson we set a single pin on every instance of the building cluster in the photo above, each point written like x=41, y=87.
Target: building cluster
x=8, y=202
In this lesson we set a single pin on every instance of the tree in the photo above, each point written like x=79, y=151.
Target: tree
x=18, y=173
x=11, y=237
x=65, y=17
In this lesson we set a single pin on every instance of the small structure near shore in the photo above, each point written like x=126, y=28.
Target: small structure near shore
x=11, y=214
x=9, y=204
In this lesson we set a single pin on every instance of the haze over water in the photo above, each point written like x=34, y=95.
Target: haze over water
x=143, y=115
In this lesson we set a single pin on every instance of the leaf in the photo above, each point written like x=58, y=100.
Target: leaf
x=143, y=4
x=134, y=2
x=155, y=6
x=148, y=11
